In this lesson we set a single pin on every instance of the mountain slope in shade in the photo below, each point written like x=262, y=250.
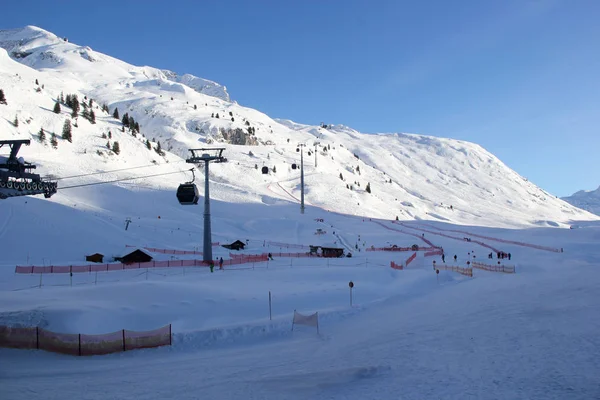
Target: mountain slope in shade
x=586, y=199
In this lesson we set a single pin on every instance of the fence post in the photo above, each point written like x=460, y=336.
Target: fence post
x=270, y=315
x=123, y=330
x=37, y=337
x=170, y=336
x=80, y=344
x=40, y=280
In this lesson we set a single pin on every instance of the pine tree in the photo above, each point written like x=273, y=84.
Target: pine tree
x=53, y=141
x=2, y=98
x=341, y=176
x=116, y=113
x=131, y=123
x=85, y=113
x=368, y=188
x=158, y=149
x=16, y=121
x=109, y=134
x=91, y=102
x=274, y=169
x=195, y=107
x=217, y=115
x=148, y=144
x=125, y=120
x=74, y=106
x=108, y=145
x=37, y=83
x=62, y=97
x=68, y=101
x=42, y=136
x=137, y=127
x=92, y=117
x=56, y=108
x=66, y=132
x=115, y=148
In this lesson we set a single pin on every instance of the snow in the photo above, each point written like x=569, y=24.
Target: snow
x=409, y=334
x=588, y=200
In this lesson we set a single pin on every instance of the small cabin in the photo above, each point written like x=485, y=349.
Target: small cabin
x=136, y=256
x=237, y=245
x=96, y=258
x=332, y=252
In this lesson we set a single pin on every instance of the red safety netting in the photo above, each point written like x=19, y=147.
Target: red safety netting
x=396, y=266
x=83, y=345
x=66, y=343
x=18, y=338
x=140, y=340
x=102, y=344
x=410, y=259
x=239, y=259
x=433, y=253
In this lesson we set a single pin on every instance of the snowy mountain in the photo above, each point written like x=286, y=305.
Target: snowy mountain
x=414, y=332
x=586, y=200
x=409, y=176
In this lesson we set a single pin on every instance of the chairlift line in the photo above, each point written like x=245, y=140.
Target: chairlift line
x=117, y=170
x=121, y=180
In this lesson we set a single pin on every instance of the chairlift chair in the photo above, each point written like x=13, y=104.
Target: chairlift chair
x=187, y=193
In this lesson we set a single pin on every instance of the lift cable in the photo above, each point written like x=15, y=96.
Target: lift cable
x=117, y=170
x=121, y=180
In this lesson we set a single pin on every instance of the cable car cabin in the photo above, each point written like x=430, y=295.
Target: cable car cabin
x=187, y=194
x=265, y=170
x=294, y=166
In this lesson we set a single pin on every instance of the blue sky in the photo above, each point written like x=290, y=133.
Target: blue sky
x=519, y=77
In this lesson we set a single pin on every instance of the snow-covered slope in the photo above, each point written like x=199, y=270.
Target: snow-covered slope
x=410, y=176
x=586, y=200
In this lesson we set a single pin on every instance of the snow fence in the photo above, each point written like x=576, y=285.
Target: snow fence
x=507, y=269
x=65, y=269
x=83, y=345
x=460, y=270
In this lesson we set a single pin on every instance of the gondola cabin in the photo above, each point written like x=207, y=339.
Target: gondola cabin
x=265, y=170
x=294, y=166
x=187, y=194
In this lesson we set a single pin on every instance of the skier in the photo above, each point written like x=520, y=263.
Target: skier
x=443, y=258
x=455, y=258
x=212, y=266
x=221, y=263
x=509, y=256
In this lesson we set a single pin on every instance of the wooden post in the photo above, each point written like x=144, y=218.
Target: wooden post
x=270, y=315
x=80, y=344
x=124, y=349
x=170, y=336
x=37, y=337
x=40, y=280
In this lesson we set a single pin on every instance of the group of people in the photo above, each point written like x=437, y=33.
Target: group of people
x=500, y=255
x=212, y=264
